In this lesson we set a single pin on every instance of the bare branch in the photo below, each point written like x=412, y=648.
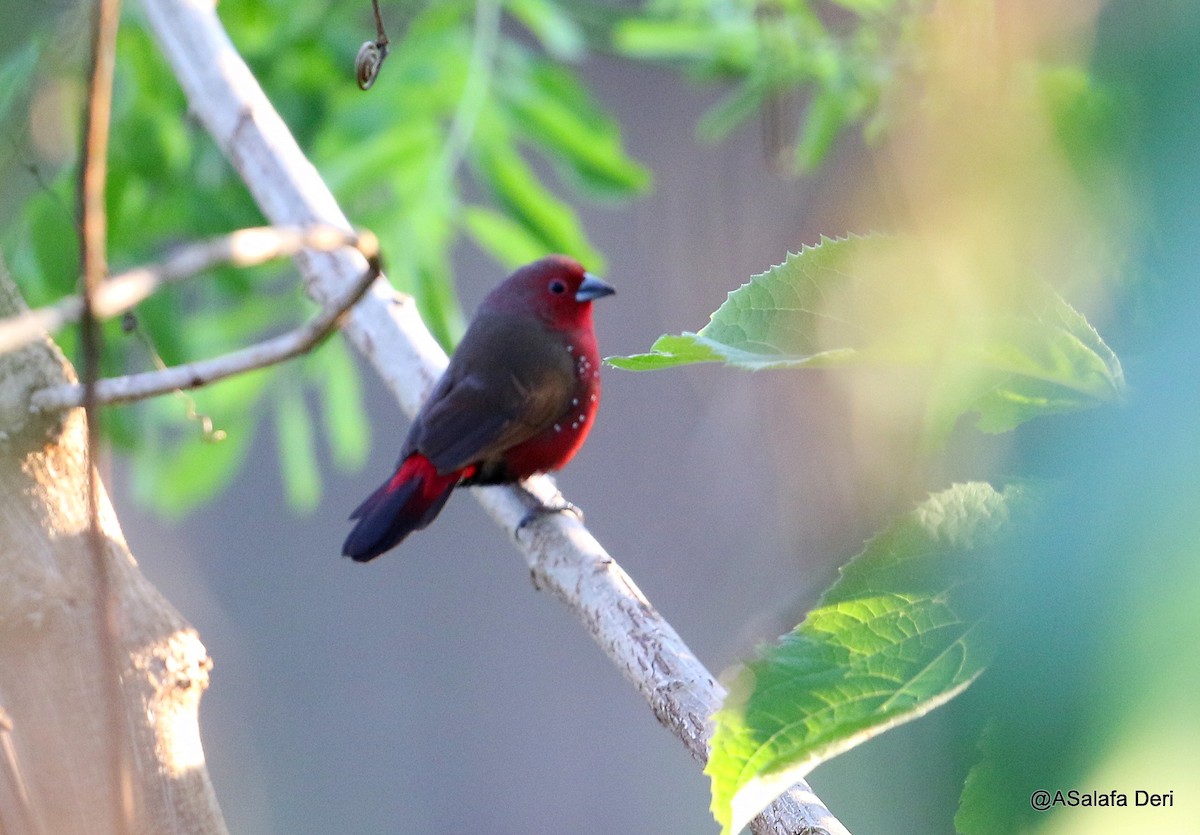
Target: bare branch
x=386, y=329
x=269, y=352
x=243, y=248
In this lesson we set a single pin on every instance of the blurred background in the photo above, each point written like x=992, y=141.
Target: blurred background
x=435, y=690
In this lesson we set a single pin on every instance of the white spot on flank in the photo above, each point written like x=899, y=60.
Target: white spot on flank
x=557, y=428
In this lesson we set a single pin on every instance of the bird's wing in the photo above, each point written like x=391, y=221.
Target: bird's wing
x=485, y=405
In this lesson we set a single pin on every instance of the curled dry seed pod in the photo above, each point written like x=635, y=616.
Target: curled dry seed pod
x=367, y=63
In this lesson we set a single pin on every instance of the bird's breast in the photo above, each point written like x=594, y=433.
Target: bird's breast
x=557, y=444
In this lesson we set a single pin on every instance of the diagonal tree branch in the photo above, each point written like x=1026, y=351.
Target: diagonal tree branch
x=387, y=330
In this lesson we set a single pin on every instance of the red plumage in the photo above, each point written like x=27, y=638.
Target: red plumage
x=517, y=399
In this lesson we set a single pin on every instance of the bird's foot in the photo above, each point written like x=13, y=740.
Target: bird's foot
x=560, y=505
x=545, y=509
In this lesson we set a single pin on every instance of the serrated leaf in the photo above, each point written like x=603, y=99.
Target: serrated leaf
x=1005, y=350
x=902, y=631
x=979, y=811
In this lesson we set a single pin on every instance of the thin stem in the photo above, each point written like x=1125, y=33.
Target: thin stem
x=93, y=223
x=196, y=374
x=243, y=248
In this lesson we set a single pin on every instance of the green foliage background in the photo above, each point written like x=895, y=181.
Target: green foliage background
x=488, y=136
x=477, y=128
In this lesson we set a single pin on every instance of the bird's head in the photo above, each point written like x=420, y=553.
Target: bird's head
x=557, y=289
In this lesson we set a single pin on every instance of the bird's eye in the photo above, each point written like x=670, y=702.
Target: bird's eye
x=558, y=287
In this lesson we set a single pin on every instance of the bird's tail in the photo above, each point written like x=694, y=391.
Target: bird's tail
x=407, y=502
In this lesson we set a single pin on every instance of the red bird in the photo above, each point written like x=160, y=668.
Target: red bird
x=518, y=399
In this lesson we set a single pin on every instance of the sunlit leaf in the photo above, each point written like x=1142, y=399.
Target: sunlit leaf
x=902, y=631
x=1005, y=350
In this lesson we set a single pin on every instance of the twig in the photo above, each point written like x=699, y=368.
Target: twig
x=386, y=329
x=192, y=375
x=93, y=224
x=243, y=248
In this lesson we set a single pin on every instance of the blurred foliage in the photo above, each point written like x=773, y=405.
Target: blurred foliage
x=840, y=55
x=449, y=143
x=477, y=105
x=1011, y=163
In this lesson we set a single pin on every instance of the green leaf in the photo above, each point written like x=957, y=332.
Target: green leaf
x=16, y=75
x=731, y=44
x=1005, y=348
x=824, y=121
x=509, y=242
x=902, y=631
x=175, y=480
x=555, y=29
x=731, y=112
x=981, y=809
x=517, y=188
x=297, y=449
x=866, y=7
x=555, y=111
x=52, y=232
x=342, y=407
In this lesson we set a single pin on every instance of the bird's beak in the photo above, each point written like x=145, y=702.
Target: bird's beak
x=592, y=288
